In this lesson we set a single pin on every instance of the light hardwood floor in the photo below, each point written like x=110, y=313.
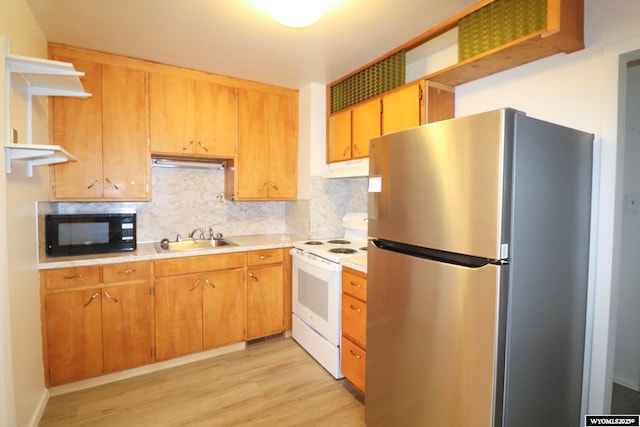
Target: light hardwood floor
x=274, y=383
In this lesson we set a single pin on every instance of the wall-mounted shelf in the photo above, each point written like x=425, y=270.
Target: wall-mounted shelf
x=43, y=77
x=46, y=77
x=35, y=155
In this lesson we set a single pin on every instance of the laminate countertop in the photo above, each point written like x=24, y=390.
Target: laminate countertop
x=358, y=263
x=148, y=252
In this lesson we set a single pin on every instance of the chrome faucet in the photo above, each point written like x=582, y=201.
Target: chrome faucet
x=192, y=235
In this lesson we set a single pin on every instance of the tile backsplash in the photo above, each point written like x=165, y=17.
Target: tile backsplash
x=184, y=199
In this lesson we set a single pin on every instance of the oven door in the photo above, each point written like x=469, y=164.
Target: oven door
x=316, y=294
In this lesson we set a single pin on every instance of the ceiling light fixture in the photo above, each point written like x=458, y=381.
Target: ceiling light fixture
x=296, y=13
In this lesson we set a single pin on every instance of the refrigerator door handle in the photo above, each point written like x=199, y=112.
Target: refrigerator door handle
x=435, y=254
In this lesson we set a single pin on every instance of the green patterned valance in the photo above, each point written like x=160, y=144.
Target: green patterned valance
x=374, y=80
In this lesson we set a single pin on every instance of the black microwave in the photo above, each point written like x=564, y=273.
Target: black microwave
x=83, y=234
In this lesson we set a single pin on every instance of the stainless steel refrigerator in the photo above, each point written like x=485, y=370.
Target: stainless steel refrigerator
x=477, y=273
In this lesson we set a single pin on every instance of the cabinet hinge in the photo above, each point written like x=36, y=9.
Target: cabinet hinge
x=152, y=290
x=147, y=185
x=45, y=303
x=420, y=94
x=146, y=81
x=153, y=352
x=53, y=187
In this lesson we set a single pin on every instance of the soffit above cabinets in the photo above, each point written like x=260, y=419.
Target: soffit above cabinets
x=43, y=78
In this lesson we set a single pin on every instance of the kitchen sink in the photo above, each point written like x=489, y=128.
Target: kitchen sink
x=191, y=245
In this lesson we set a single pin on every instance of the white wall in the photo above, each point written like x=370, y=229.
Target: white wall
x=21, y=375
x=579, y=90
x=627, y=353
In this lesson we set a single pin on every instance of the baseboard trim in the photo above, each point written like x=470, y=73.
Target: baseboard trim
x=39, y=410
x=158, y=366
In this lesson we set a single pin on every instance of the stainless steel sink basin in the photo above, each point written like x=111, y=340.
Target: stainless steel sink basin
x=192, y=245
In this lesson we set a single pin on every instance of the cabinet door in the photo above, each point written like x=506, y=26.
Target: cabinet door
x=178, y=309
x=401, y=109
x=282, y=120
x=365, y=125
x=216, y=120
x=339, y=147
x=440, y=102
x=125, y=154
x=74, y=335
x=77, y=126
x=265, y=305
x=223, y=308
x=127, y=326
x=252, y=170
x=171, y=114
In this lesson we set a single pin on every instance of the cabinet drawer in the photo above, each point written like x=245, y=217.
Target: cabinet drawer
x=71, y=277
x=125, y=272
x=354, y=361
x=196, y=264
x=267, y=256
x=354, y=319
x=355, y=284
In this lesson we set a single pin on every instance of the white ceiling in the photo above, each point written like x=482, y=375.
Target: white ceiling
x=237, y=38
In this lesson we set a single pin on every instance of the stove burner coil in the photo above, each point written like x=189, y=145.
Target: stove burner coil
x=343, y=251
x=313, y=243
x=339, y=242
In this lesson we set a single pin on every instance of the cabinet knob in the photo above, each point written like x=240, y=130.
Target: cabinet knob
x=354, y=354
x=207, y=282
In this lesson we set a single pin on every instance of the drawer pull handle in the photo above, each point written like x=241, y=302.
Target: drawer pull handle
x=94, y=296
x=74, y=277
x=275, y=187
x=355, y=308
x=357, y=285
x=187, y=146
x=204, y=147
x=265, y=256
x=131, y=270
x=206, y=281
x=261, y=189
x=93, y=183
x=195, y=285
x=112, y=184
x=356, y=355
x=253, y=276
x=106, y=294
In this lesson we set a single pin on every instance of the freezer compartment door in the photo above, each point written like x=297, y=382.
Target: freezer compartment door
x=442, y=185
x=431, y=342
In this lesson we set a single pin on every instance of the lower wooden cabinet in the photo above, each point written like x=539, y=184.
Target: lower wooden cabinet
x=195, y=311
x=353, y=355
x=102, y=319
x=265, y=297
x=93, y=326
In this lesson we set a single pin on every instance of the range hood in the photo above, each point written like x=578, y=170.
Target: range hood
x=187, y=164
x=349, y=169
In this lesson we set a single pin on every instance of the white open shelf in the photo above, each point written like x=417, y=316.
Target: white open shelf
x=44, y=77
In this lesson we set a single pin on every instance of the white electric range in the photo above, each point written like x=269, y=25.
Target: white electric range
x=317, y=290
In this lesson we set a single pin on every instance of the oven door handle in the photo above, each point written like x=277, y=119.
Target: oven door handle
x=316, y=261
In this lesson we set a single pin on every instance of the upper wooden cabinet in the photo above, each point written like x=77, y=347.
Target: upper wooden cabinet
x=351, y=129
x=266, y=164
x=407, y=106
x=191, y=118
x=107, y=133
x=402, y=108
